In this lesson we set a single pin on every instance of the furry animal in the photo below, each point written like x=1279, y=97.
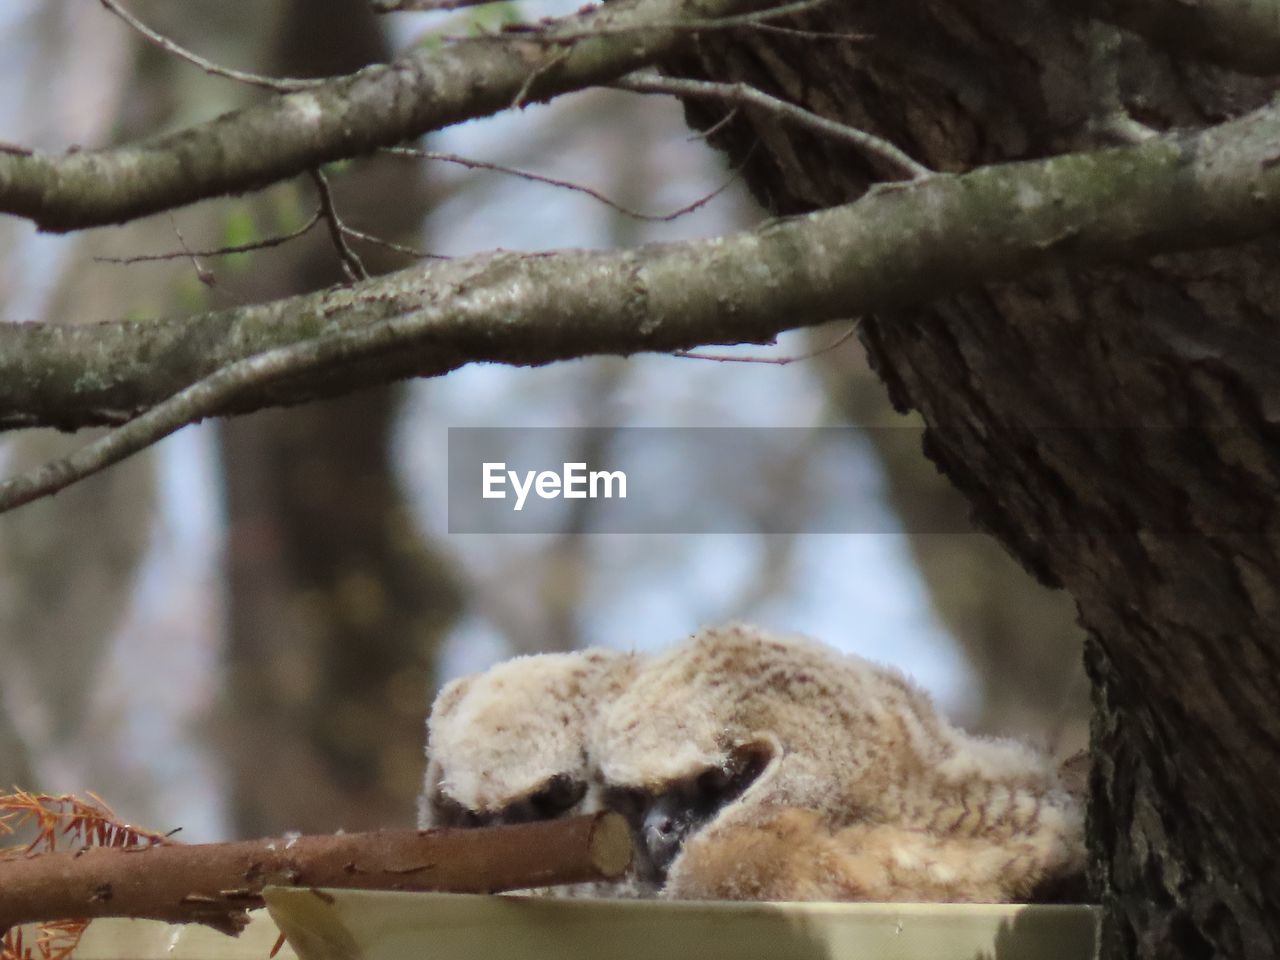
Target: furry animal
x=511, y=745
x=757, y=766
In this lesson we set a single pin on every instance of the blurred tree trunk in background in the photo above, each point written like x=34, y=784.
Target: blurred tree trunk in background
x=15, y=764
x=67, y=565
x=1021, y=639
x=337, y=605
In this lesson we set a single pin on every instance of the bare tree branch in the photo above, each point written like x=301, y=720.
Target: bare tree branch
x=208, y=66
x=264, y=244
x=417, y=6
x=532, y=177
x=715, y=128
x=352, y=266
x=902, y=243
x=741, y=95
x=216, y=883
x=404, y=248
x=537, y=33
x=349, y=116
x=785, y=360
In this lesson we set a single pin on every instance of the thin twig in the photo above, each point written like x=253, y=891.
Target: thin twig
x=221, y=251
x=392, y=245
x=203, y=273
x=645, y=81
x=351, y=263
x=758, y=16
x=425, y=6
x=776, y=361
x=536, y=33
x=804, y=34
x=208, y=66
x=471, y=164
x=523, y=93
x=715, y=128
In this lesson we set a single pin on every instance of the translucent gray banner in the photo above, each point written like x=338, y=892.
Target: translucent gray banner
x=674, y=480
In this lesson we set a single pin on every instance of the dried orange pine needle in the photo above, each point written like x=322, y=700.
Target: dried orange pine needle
x=58, y=822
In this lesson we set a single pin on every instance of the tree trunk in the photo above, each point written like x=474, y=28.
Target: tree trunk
x=1115, y=427
x=1021, y=639
x=336, y=603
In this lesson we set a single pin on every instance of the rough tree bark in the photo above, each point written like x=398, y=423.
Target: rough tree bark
x=1021, y=640
x=1115, y=427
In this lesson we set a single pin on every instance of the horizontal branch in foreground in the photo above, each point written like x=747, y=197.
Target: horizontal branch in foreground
x=380, y=106
x=901, y=244
x=215, y=883
x=1241, y=34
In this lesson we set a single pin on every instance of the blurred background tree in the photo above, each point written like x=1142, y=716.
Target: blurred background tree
x=336, y=602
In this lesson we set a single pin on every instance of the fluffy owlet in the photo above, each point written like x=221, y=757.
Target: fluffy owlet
x=755, y=766
x=511, y=745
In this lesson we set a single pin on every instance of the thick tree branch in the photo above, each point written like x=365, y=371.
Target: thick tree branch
x=903, y=243
x=349, y=116
x=1241, y=34
x=215, y=883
